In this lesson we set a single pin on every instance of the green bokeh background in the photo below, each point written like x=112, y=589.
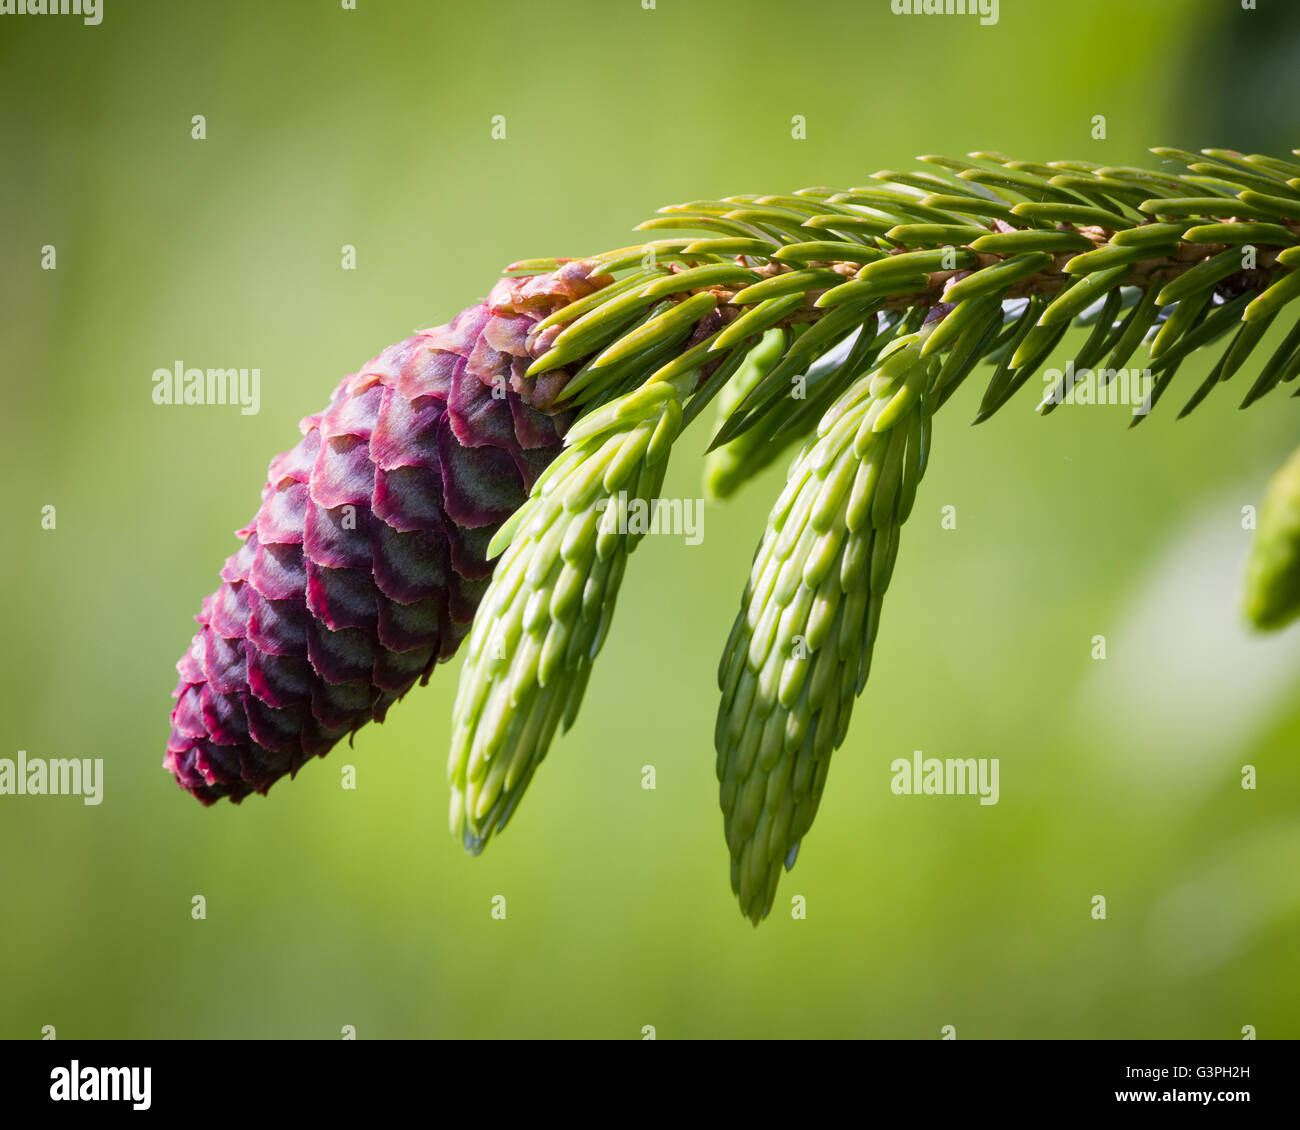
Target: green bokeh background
x=327, y=907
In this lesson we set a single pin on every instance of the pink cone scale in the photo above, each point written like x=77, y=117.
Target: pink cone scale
x=364, y=566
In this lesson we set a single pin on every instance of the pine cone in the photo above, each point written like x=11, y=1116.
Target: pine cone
x=365, y=564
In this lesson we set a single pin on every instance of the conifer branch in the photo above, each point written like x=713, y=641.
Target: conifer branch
x=841, y=321
x=875, y=304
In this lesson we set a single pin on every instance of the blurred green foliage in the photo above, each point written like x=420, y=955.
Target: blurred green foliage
x=326, y=907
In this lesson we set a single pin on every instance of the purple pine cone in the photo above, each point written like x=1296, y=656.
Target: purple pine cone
x=366, y=562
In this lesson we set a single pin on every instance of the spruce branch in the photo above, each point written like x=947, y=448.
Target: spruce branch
x=526, y=441
x=548, y=608
x=800, y=650
x=876, y=304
